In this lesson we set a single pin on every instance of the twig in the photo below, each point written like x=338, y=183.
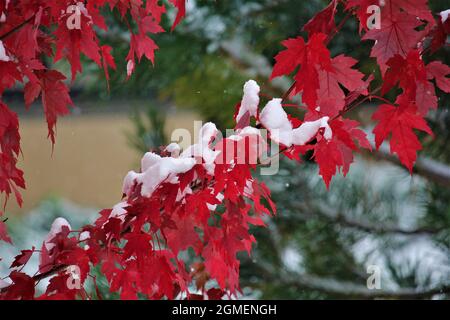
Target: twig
x=18, y=27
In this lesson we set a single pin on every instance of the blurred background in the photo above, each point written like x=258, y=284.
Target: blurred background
x=323, y=244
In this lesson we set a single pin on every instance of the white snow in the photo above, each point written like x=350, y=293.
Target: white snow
x=248, y=189
x=202, y=149
x=3, y=15
x=308, y=130
x=3, y=55
x=56, y=228
x=213, y=207
x=182, y=194
x=118, y=211
x=128, y=182
x=4, y=284
x=148, y=160
x=156, y=169
x=174, y=149
x=275, y=119
x=84, y=235
x=444, y=15
x=250, y=100
x=249, y=152
x=163, y=170
x=130, y=67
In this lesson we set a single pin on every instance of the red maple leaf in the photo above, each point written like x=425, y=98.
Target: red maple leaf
x=311, y=57
x=340, y=73
x=184, y=235
x=107, y=61
x=400, y=122
x=412, y=76
x=181, y=6
x=439, y=72
x=418, y=8
x=439, y=34
x=323, y=22
x=138, y=244
x=425, y=97
x=337, y=154
x=22, y=258
x=55, y=96
x=397, y=35
x=10, y=176
x=21, y=288
x=70, y=43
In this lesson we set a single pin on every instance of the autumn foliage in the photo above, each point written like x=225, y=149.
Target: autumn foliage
x=190, y=200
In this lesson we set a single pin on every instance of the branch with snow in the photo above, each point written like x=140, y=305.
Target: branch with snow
x=430, y=169
x=308, y=211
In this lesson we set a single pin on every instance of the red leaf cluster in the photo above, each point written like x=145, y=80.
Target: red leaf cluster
x=32, y=32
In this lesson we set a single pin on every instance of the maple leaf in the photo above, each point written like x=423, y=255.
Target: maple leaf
x=127, y=281
x=439, y=34
x=70, y=43
x=341, y=72
x=183, y=236
x=217, y=266
x=425, y=97
x=138, y=244
x=10, y=74
x=412, y=76
x=439, y=71
x=144, y=46
x=21, y=288
x=323, y=22
x=396, y=36
x=406, y=71
x=181, y=6
x=418, y=8
x=10, y=176
x=337, y=153
x=311, y=57
x=107, y=61
x=328, y=156
x=400, y=122
x=22, y=258
x=55, y=96
x=58, y=289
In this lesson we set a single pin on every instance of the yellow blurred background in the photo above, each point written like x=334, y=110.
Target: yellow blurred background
x=90, y=158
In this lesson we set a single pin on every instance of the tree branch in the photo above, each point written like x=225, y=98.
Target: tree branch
x=40, y=276
x=345, y=289
x=430, y=169
x=362, y=225
x=18, y=27
x=349, y=289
